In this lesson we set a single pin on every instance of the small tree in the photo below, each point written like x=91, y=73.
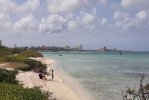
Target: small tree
x=142, y=93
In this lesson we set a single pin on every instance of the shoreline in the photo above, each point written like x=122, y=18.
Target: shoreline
x=62, y=88
x=70, y=83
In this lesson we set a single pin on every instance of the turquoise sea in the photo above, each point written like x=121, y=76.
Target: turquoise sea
x=104, y=75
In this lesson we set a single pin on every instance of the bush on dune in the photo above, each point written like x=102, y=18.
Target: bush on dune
x=17, y=92
x=29, y=53
x=18, y=50
x=8, y=76
x=11, y=90
x=13, y=58
x=35, y=65
x=23, y=63
x=4, y=51
x=7, y=54
x=17, y=65
x=15, y=62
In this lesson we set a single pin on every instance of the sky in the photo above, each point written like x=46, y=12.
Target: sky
x=121, y=24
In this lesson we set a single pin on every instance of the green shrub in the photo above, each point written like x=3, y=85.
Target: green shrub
x=18, y=50
x=13, y=58
x=4, y=51
x=8, y=76
x=17, y=92
x=32, y=64
x=35, y=65
x=11, y=90
x=29, y=53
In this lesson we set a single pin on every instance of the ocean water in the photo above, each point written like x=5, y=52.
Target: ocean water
x=104, y=75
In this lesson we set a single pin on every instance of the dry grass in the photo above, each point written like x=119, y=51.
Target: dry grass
x=14, y=65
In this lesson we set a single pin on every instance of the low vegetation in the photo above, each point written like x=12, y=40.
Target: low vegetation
x=4, y=51
x=11, y=90
x=29, y=53
x=23, y=63
x=17, y=92
x=35, y=65
x=23, y=52
x=16, y=65
x=140, y=93
x=12, y=58
x=18, y=58
x=8, y=76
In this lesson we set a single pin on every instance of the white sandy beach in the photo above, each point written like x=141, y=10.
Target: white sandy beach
x=61, y=89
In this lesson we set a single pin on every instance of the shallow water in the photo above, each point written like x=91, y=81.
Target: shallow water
x=103, y=75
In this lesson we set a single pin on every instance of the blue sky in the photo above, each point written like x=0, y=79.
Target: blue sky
x=121, y=24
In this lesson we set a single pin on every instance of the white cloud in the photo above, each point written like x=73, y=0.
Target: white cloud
x=138, y=22
x=103, y=21
x=7, y=5
x=103, y=2
x=52, y=24
x=88, y=18
x=56, y=6
x=29, y=6
x=141, y=15
x=119, y=15
x=87, y=21
x=75, y=24
x=135, y=4
x=5, y=22
x=26, y=24
x=9, y=11
x=56, y=24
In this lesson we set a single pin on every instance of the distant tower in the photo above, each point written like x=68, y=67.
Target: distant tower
x=105, y=48
x=14, y=45
x=0, y=42
x=81, y=48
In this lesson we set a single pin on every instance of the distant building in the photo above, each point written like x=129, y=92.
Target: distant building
x=114, y=49
x=0, y=42
x=77, y=48
x=55, y=49
x=103, y=49
x=67, y=48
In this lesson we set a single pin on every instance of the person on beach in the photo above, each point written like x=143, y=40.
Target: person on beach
x=52, y=74
x=42, y=76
